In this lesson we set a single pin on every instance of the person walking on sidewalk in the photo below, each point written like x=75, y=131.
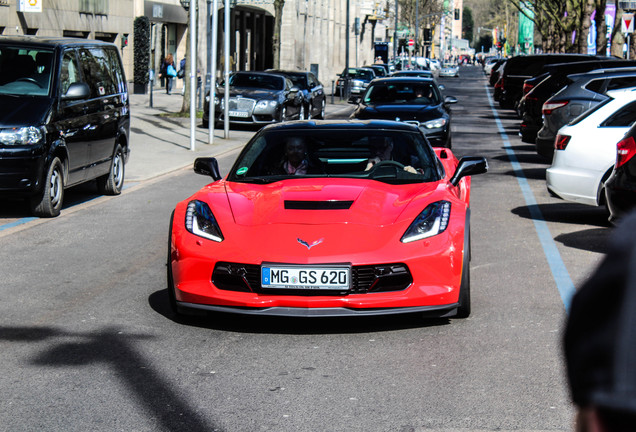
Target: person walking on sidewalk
x=170, y=72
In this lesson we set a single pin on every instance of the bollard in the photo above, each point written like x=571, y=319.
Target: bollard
x=152, y=79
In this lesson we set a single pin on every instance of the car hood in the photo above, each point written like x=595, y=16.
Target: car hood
x=253, y=93
x=403, y=112
x=23, y=110
x=365, y=202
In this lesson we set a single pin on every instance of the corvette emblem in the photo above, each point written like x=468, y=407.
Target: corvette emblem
x=309, y=245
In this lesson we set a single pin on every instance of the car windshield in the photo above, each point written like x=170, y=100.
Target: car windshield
x=25, y=71
x=395, y=157
x=362, y=74
x=262, y=81
x=420, y=93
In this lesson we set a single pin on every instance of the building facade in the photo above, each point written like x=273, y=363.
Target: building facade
x=313, y=33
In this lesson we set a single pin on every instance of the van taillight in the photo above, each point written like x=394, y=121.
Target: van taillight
x=500, y=83
x=548, y=107
x=625, y=150
x=561, y=142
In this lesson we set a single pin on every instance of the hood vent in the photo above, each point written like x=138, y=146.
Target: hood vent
x=318, y=205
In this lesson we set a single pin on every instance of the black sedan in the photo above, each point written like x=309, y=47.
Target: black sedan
x=314, y=100
x=620, y=187
x=410, y=100
x=257, y=98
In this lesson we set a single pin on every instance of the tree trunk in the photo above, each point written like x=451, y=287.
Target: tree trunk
x=601, y=28
x=617, y=36
x=586, y=23
x=278, y=24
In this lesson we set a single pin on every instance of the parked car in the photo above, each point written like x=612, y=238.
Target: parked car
x=257, y=98
x=537, y=90
x=379, y=70
x=333, y=237
x=314, y=100
x=64, y=119
x=584, y=92
x=620, y=187
x=411, y=100
x=518, y=69
x=585, y=150
x=413, y=73
x=449, y=70
x=359, y=80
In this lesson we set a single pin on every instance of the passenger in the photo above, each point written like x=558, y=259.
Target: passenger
x=600, y=339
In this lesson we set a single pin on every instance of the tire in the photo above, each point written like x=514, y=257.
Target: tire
x=113, y=182
x=48, y=203
x=322, y=110
x=172, y=298
x=463, y=310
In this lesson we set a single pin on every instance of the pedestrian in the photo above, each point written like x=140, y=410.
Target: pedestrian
x=181, y=74
x=600, y=339
x=170, y=73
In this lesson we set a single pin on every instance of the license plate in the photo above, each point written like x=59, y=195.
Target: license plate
x=238, y=114
x=306, y=277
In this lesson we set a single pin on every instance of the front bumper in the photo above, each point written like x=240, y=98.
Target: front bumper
x=21, y=170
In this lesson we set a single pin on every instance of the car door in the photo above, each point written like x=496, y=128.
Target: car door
x=71, y=119
x=103, y=111
x=317, y=94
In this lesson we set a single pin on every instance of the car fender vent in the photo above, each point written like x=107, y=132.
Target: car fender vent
x=318, y=205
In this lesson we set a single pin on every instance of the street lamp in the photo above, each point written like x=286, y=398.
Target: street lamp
x=193, y=68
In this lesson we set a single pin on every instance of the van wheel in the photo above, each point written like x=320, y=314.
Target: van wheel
x=113, y=182
x=48, y=202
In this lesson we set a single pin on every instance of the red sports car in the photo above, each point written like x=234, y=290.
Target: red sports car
x=327, y=218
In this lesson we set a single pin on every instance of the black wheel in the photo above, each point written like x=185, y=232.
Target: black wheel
x=172, y=298
x=113, y=182
x=205, y=123
x=48, y=202
x=463, y=310
x=322, y=110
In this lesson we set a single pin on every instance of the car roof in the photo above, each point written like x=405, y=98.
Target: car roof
x=50, y=41
x=410, y=79
x=343, y=125
x=603, y=73
x=286, y=72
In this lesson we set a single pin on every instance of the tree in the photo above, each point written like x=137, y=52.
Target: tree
x=278, y=24
x=468, y=25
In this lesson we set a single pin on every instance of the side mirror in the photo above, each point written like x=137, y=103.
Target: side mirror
x=467, y=166
x=442, y=87
x=354, y=99
x=294, y=89
x=207, y=166
x=77, y=90
x=450, y=100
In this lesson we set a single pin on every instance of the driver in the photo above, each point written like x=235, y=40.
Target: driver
x=382, y=150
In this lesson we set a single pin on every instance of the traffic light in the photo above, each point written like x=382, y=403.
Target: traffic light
x=457, y=13
x=428, y=35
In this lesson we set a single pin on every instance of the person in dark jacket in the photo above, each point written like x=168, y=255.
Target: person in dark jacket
x=600, y=339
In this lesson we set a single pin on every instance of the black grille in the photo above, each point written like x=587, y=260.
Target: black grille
x=364, y=279
x=318, y=205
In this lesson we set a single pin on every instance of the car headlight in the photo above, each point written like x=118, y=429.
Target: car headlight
x=432, y=221
x=435, y=124
x=200, y=221
x=264, y=104
x=357, y=83
x=28, y=135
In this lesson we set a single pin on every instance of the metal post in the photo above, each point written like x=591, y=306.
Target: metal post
x=346, y=71
x=226, y=74
x=211, y=106
x=417, y=24
x=193, y=72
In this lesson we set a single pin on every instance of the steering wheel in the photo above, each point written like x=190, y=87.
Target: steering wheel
x=31, y=80
x=387, y=163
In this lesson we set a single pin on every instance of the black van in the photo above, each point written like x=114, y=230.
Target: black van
x=64, y=118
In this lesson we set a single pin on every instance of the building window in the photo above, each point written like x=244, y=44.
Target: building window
x=97, y=7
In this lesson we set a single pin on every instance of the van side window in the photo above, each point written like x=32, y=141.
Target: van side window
x=69, y=73
x=116, y=69
x=96, y=71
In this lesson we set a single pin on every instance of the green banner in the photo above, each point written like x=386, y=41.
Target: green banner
x=526, y=29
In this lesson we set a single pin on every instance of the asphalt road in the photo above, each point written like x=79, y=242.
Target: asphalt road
x=87, y=341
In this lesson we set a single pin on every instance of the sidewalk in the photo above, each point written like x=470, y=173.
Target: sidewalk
x=159, y=145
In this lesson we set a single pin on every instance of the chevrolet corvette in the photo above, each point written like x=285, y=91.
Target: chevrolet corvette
x=327, y=218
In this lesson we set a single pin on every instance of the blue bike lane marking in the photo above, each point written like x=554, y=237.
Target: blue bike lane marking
x=557, y=267
x=28, y=219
